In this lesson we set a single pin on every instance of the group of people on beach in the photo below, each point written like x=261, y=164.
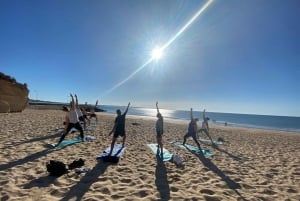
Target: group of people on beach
x=77, y=114
x=74, y=116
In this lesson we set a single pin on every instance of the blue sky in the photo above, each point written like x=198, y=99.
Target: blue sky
x=238, y=56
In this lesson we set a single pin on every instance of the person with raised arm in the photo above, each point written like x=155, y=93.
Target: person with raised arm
x=159, y=129
x=92, y=112
x=72, y=121
x=119, y=128
x=79, y=112
x=205, y=127
x=192, y=130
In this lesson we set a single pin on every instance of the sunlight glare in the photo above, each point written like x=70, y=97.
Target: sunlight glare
x=157, y=53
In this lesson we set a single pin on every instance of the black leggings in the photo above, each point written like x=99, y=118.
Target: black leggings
x=70, y=126
x=193, y=135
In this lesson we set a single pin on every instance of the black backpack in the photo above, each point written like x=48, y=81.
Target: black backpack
x=56, y=168
x=76, y=164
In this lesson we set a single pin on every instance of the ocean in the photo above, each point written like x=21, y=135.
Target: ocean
x=283, y=123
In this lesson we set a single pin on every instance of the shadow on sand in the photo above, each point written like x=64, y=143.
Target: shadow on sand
x=55, y=135
x=231, y=156
x=225, y=152
x=78, y=190
x=161, y=179
x=25, y=160
x=41, y=182
x=230, y=183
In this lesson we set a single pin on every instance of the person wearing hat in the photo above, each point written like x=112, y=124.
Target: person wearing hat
x=205, y=127
x=192, y=130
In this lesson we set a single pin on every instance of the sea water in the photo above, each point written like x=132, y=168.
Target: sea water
x=284, y=123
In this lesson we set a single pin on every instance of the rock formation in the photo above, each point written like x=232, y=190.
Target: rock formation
x=13, y=95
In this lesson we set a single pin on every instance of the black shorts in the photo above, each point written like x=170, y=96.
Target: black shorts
x=159, y=134
x=191, y=134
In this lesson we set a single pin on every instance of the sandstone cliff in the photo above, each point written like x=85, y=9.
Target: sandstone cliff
x=13, y=95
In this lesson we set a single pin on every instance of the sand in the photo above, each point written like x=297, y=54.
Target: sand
x=252, y=164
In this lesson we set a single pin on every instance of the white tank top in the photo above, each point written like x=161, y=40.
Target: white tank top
x=79, y=113
x=73, y=118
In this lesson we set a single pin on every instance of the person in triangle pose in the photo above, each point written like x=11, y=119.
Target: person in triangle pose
x=192, y=130
x=71, y=121
x=119, y=128
x=205, y=127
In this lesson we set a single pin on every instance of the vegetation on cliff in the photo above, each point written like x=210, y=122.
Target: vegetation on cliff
x=13, y=95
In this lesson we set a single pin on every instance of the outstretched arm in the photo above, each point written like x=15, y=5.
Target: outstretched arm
x=76, y=101
x=96, y=103
x=127, y=108
x=191, y=113
x=72, y=102
x=157, y=107
x=203, y=114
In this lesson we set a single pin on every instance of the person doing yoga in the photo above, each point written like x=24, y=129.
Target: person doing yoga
x=71, y=121
x=205, y=127
x=119, y=128
x=192, y=130
x=159, y=129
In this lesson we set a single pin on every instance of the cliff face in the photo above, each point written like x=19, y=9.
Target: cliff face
x=13, y=95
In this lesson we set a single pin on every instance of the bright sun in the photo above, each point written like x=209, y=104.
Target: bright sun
x=156, y=53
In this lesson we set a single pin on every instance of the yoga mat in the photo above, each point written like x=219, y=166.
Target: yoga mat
x=215, y=141
x=65, y=143
x=166, y=154
x=117, y=151
x=89, y=129
x=193, y=148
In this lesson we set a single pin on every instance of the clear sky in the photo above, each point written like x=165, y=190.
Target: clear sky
x=238, y=56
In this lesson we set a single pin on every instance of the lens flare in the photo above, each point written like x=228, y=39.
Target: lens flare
x=157, y=53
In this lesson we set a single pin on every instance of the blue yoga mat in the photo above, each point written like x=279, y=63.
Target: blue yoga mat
x=65, y=143
x=193, y=148
x=166, y=154
x=215, y=141
x=117, y=151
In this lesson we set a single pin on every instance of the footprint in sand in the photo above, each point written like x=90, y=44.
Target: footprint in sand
x=207, y=191
x=105, y=190
x=290, y=190
x=125, y=180
x=246, y=186
x=174, y=189
x=210, y=198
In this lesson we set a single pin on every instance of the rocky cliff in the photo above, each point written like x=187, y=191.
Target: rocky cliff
x=13, y=95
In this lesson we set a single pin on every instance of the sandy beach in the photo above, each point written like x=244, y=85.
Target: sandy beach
x=252, y=164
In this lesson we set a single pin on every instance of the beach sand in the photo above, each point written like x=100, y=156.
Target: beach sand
x=252, y=164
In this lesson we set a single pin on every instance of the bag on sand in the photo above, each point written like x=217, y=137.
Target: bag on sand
x=177, y=159
x=76, y=164
x=56, y=168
